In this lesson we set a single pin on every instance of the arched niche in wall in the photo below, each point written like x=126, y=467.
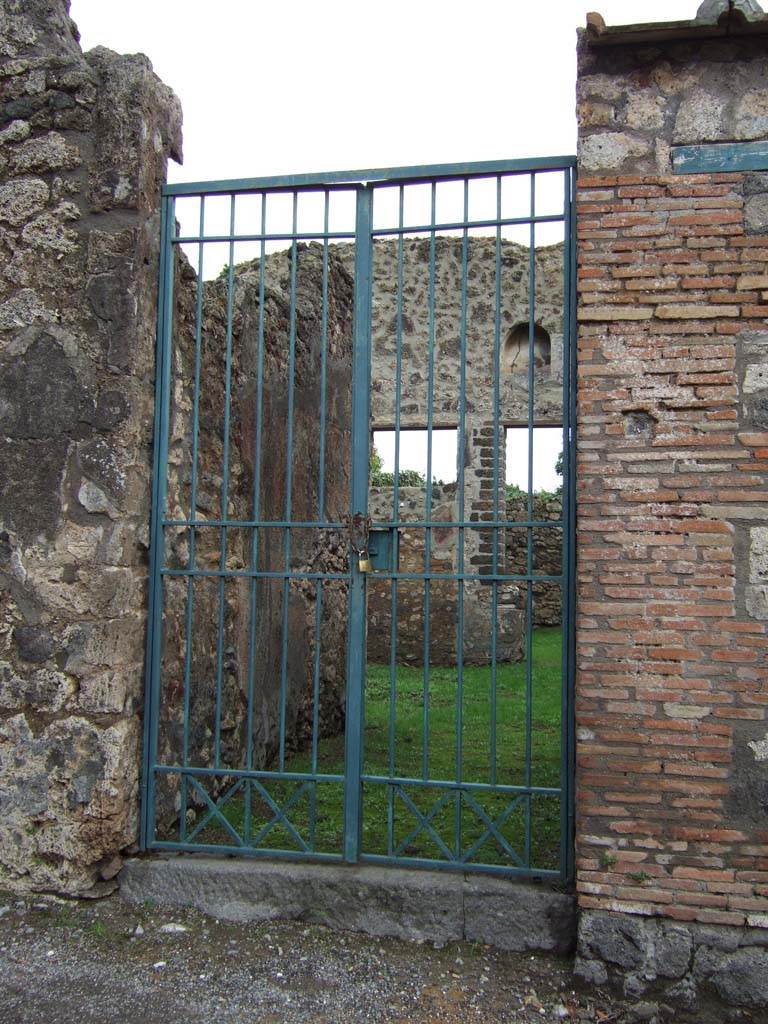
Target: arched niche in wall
x=514, y=356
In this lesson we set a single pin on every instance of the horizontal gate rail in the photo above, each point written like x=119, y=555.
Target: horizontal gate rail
x=377, y=175
x=475, y=524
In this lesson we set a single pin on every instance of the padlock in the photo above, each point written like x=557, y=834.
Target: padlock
x=364, y=562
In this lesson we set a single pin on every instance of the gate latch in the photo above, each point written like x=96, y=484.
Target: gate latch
x=377, y=548
x=384, y=549
x=359, y=530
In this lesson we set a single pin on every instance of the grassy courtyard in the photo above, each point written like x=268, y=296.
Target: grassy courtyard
x=432, y=822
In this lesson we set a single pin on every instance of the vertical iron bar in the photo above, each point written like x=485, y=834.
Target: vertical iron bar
x=288, y=485
x=225, y=485
x=255, y=533
x=529, y=529
x=428, y=503
x=395, y=518
x=191, y=559
x=361, y=368
x=321, y=489
x=322, y=518
x=569, y=530
x=160, y=470
x=461, y=495
x=496, y=477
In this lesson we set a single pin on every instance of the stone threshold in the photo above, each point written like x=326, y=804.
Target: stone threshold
x=422, y=906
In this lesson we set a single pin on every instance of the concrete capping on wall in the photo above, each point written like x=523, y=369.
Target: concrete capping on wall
x=428, y=906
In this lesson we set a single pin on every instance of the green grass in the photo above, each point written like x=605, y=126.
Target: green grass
x=451, y=822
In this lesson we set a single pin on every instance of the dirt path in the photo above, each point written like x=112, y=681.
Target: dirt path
x=73, y=963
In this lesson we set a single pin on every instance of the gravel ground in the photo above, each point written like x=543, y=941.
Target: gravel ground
x=65, y=961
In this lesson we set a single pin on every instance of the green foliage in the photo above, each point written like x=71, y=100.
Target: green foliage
x=97, y=929
x=406, y=477
x=514, y=492
x=639, y=876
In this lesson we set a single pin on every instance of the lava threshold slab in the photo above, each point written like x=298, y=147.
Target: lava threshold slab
x=426, y=906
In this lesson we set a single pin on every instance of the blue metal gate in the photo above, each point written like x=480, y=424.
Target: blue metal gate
x=347, y=664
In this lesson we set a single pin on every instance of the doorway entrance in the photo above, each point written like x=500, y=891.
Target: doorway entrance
x=348, y=655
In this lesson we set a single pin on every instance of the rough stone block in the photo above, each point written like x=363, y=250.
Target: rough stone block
x=606, y=151
x=755, y=379
x=645, y=112
x=756, y=213
x=674, y=948
x=700, y=118
x=751, y=115
x=741, y=978
x=615, y=938
x=22, y=199
x=758, y=554
x=49, y=152
x=590, y=972
x=756, y=598
x=597, y=115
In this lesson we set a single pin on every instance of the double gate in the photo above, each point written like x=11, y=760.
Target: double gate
x=350, y=660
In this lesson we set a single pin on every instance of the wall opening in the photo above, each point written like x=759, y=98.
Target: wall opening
x=517, y=346
x=546, y=461
x=414, y=456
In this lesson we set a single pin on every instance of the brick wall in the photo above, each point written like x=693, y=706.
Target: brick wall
x=672, y=543
x=672, y=682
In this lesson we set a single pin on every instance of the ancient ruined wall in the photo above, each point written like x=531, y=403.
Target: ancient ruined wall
x=481, y=285
x=443, y=594
x=197, y=638
x=546, y=552
x=513, y=558
x=478, y=454
x=84, y=143
x=479, y=434
x=672, y=684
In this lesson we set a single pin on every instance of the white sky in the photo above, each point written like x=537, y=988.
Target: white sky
x=299, y=86
x=294, y=86
x=547, y=445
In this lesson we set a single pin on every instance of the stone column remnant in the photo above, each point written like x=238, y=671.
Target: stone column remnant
x=84, y=142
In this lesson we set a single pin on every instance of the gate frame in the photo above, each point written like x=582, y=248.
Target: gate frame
x=362, y=180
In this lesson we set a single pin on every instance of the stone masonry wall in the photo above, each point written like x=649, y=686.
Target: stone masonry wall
x=478, y=453
x=84, y=141
x=443, y=594
x=547, y=560
x=672, y=687
x=547, y=549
